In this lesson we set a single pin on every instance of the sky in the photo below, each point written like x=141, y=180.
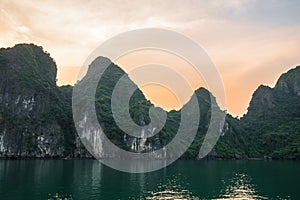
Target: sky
x=251, y=42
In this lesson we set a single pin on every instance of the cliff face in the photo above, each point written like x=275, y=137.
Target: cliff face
x=289, y=82
x=272, y=122
x=36, y=115
x=138, y=110
x=30, y=103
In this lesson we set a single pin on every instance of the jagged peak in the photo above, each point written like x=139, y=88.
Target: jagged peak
x=29, y=60
x=104, y=62
x=289, y=82
x=261, y=89
x=26, y=46
x=289, y=74
x=101, y=59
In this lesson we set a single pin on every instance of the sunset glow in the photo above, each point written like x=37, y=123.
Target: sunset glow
x=250, y=42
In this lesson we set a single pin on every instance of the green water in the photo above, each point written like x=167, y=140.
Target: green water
x=88, y=179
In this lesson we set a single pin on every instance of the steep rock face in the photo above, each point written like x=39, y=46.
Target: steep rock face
x=30, y=126
x=289, y=82
x=36, y=115
x=262, y=99
x=272, y=122
x=232, y=143
x=138, y=109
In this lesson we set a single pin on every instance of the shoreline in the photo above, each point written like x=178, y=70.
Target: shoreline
x=92, y=158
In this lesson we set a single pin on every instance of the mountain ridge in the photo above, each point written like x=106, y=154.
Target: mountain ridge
x=269, y=129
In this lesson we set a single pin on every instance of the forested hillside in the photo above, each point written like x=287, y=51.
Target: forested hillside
x=36, y=115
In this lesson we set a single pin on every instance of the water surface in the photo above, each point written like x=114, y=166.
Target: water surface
x=88, y=179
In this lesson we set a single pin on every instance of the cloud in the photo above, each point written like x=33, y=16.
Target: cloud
x=244, y=38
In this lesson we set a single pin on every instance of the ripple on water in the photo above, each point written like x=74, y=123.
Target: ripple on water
x=237, y=188
x=170, y=190
x=240, y=187
x=60, y=197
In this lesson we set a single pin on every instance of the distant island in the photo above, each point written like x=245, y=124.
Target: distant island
x=36, y=115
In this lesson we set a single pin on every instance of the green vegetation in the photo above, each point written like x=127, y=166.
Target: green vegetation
x=272, y=124
x=36, y=114
x=32, y=106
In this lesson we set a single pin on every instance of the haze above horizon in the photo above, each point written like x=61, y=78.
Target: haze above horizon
x=250, y=42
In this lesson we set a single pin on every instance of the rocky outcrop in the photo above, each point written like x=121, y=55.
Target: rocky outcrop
x=262, y=97
x=32, y=107
x=289, y=82
x=36, y=115
x=272, y=122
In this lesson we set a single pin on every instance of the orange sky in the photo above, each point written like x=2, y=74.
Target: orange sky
x=173, y=72
x=250, y=42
